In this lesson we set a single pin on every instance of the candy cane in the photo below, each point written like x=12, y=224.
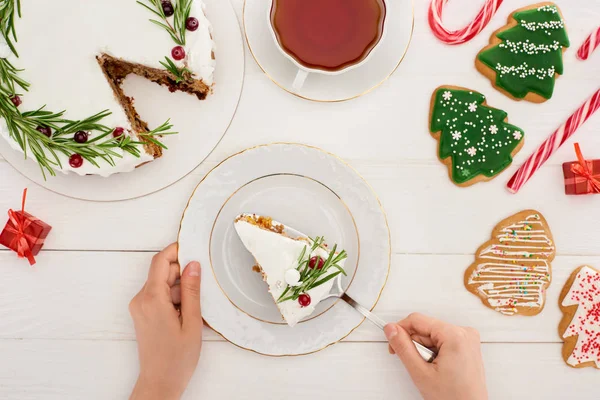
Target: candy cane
x=589, y=45
x=546, y=149
x=467, y=33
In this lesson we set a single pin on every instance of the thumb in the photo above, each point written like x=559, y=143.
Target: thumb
x=190, y=297
x=405, y=349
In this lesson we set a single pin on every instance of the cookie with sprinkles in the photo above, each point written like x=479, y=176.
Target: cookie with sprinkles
x=512, y=271
x=580, y=327
x=475, y=141
x=525, y=57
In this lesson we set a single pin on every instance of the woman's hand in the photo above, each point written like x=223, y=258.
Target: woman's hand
x=456, y=374
x=169, y=340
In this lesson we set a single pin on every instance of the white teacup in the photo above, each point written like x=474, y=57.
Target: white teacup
x=303, y=71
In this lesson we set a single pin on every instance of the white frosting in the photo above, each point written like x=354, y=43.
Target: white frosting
x=585, y=293
x=514, y=270
x=60, y=60
x=277, y=254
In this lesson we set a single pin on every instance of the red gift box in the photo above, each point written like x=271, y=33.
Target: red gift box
x=582, y=176
x=24, y=233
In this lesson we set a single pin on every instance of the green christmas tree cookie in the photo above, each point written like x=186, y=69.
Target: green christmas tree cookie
x=475, y=141
x=526, y=56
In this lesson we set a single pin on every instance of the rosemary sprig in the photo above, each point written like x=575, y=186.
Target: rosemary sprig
x=311, y=278
x=177, y=29
x=181, y=74
x=7, y=22
x=45, y=150
x=163, y=130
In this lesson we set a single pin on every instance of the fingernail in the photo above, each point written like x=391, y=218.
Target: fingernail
x=193, y=269
x=390, y=331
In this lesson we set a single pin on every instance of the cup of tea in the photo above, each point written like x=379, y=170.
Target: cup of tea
x=327, y=36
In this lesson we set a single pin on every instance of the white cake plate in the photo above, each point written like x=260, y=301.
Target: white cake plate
x=201, y=124
x=310, y=190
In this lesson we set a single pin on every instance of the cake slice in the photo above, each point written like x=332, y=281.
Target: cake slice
x=300, y=271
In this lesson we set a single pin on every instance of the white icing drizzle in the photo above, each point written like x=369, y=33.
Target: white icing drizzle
x=514, y=270
x=584, y=293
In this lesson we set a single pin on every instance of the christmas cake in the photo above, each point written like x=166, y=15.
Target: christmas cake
x=62, y=64
x=300, y=272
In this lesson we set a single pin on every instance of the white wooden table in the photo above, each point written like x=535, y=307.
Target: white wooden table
x=65, y=331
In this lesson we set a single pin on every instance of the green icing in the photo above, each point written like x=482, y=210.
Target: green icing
x=531, y=53
x=473, y=135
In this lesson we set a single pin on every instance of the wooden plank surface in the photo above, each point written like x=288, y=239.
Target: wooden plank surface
x=46, y=369
x=84, y=296
x=65, y=332
x=424, y=210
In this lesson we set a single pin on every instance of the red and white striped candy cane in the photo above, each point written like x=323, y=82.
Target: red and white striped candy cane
x=546, y=149
x=589, y=45
x=467, y=33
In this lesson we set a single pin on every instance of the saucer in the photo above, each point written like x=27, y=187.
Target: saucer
x=382, y=63
x=310, y=190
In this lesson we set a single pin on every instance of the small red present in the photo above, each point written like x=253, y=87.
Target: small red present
x=582, y=176
x=24, y=233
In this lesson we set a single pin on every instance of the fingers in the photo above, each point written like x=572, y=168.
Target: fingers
x=160, y=269
x=176, y=294
x=174, y=274
x=402, y=345
x=424, y=340
x=190, y=298
x=425, y=327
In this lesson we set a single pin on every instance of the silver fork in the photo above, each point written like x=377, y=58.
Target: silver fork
x=427, y=354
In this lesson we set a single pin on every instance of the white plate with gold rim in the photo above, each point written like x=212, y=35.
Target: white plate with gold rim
x=382, y=63
x=310, y=190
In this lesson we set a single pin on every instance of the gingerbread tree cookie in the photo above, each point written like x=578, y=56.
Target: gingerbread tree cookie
x=475, y=141
x=580, y=326
x=525, y=56
x=512, y=271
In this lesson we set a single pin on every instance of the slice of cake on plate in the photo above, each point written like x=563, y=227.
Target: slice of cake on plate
x=300, y=271
x=61, y=101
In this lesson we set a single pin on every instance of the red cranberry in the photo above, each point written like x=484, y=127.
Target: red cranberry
x=304, y=300
x=168, y=8
x=81, y=137
x=16, y=100
x=118, y=132
x=316, y=261
x=75, y=161
x=45, y=130
x=178, y=53
x=192, y=24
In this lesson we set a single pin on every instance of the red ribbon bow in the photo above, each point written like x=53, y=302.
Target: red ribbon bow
x=583, y=169
x=18, y=226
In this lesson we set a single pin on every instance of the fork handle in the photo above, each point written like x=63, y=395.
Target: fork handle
x=426, y=353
